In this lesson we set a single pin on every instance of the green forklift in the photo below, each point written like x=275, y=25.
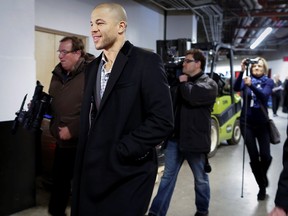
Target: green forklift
x=225, y=124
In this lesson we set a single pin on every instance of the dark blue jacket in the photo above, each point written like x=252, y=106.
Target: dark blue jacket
x=254, y=95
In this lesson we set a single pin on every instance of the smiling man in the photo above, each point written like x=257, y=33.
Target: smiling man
x=126, y=112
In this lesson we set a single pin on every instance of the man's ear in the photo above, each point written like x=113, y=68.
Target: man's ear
x=78, y=52
x=122, y=27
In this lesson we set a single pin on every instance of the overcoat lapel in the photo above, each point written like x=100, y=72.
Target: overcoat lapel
x=117, y=69
x=115, y=73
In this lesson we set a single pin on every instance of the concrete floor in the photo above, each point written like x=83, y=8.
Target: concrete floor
x=227, y=196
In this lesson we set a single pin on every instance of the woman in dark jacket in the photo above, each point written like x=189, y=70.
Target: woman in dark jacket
x=254, y=125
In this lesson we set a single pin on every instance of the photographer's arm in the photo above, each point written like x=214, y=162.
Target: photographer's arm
x=239, y=83
x=198, y=94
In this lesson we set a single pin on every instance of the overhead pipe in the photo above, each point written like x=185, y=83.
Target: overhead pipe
x=209, y=11
x=239, y=34
x=167, y=9
x=213, y=14
x=165, y=25
x=199, y=15
x=217, y=22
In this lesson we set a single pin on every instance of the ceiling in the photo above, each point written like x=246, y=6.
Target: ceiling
x=237, y=23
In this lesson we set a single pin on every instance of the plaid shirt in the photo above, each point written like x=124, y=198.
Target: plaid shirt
x=104, y=76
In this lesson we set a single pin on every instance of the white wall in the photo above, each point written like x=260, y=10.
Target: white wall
x=18, y=21
x=179, y=27
x=145, y=26
x=16, y=55
x=279, y=67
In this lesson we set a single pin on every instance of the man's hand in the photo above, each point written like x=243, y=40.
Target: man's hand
x=64, y=133
x=183, y=78
x=277, y=212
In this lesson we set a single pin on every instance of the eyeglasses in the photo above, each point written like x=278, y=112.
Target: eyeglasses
x=188, y=61
x=64, y=52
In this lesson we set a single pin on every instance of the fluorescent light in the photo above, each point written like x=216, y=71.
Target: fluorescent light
x=263, y=35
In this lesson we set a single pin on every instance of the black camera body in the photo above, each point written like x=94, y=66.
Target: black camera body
x=251, y=61
x=173, y=69
x=38, y=107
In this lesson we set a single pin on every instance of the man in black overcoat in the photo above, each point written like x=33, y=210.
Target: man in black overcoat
x=126, y=112
x=281, y=198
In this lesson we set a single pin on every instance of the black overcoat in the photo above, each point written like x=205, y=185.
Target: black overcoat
x=116, y=162
x=282, y=190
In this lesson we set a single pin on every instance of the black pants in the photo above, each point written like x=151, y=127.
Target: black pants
x=276, y=99
x=63, y=168
x=257, y=134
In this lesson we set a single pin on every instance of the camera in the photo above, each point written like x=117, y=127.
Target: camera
x=251, y=61
x=173, y=69
x=38, y=107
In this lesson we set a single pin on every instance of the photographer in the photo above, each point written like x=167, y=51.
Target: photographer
x=66, y=88
x=193, y=98
x=256, y=90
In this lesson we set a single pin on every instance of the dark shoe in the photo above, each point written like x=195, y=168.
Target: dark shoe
x=201, y=214
x=151, y=214
x=262, y=194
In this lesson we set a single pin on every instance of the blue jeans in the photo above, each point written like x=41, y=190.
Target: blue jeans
x=174, y=159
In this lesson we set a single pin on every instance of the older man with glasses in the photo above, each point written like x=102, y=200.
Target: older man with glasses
x=66, y=89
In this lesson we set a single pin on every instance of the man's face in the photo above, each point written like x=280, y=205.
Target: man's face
x=68, y=58
x=190, y=66
x=104, y=28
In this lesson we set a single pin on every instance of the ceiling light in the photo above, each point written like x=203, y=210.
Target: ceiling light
x=263, y=35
